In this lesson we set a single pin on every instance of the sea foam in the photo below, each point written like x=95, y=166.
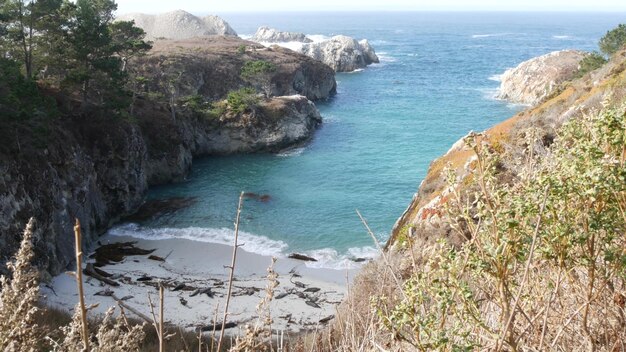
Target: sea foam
x=489, y=35
x=253, y=243
x=326, y=257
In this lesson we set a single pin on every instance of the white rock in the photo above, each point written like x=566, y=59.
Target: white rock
x=342, y=53
x=535, y=79
x=178, y=25
x=271, y=35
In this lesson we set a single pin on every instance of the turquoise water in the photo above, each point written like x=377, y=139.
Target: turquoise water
x=436, y=81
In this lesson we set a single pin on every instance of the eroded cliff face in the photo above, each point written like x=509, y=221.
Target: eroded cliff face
x=426, y=215
x=98, y=168
x=534, y=80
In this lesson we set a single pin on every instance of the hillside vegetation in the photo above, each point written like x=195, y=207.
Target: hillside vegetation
x=516, y=240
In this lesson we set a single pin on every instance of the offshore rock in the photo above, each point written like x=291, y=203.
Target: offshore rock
x=178, y=25
x=271, y=35
x=342, y=53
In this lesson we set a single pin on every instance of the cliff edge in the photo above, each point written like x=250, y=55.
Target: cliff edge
x=535, y=79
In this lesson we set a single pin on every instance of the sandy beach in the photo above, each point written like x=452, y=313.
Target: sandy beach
x=195, y=278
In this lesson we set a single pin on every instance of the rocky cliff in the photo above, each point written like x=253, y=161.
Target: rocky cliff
x=271, y=35
x=425, y=215
x=533, y=80
x=178, y=25
x=97, y=167
x=211, y=67
x=342, y=53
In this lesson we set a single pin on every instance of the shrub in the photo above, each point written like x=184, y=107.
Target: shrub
x=259, y=74
x=196, y=103
x=241, y=100
x=613, y=40
x=19, y=298
x=544, y=265
x=590, y=63
x=20, y=97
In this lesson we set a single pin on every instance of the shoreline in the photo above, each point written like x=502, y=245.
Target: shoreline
x=304, y=296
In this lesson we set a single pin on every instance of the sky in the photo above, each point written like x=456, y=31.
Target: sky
x=219, y=6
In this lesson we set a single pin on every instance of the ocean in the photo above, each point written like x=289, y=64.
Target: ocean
x=436, y=81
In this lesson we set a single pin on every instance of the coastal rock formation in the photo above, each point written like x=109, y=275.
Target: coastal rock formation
x=97, y=168
x=211, y=67
x=271, y=35
x=342, y=53
x=425, y=217
x=533, y=80
x=275, y=125
x=178, y=25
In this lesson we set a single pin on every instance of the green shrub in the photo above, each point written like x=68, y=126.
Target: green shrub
x=544, y=264
x=590, y=63
x=196, y=103
x=20, y=98
x=236, y=102
x=613, y=40
x=259, y=74
x=254, y=68
x=241, y=100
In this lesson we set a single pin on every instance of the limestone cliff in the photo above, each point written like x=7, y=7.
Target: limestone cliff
x=178, y=25
x=533, y=80
x=425, y=215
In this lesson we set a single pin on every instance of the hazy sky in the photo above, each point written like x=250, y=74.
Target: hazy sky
x=215, y=6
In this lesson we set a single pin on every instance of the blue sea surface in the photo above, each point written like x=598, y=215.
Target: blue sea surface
x=435, y=82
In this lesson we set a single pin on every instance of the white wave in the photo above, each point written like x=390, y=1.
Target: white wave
x=291, y=152
x=489, y=35
x=295, y=46
x=326, y=258
x=357, y=70
x=490, y=93
x=495, y=78
x=517, y=106
x=317, y=38
x=383, y=56
x=253, y=243
x=561, y=37
x=331, y=259
x=412, y=55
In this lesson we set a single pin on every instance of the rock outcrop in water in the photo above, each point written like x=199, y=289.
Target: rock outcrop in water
x=271, y=35
x=178, y=25
x=533, y=80
x=97, y=168
x=342, y=53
